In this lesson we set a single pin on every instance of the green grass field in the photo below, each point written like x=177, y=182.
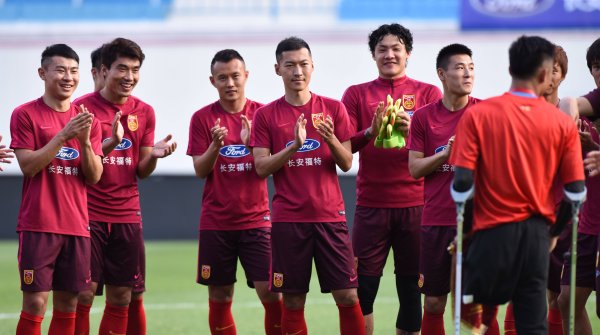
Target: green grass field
x=175, y=304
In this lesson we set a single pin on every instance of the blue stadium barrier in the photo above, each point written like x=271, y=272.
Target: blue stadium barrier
x=395, y=9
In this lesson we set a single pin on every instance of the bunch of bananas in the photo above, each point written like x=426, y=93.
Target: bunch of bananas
x=389, y=135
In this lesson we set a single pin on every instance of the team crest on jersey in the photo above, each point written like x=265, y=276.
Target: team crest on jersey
x=408, y=101
x=132, y=122
x=421, y=280
x=28, y=277
x=205, y=273
x=317, y=118
x=277, y=279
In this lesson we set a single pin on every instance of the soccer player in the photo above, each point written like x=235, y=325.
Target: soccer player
x=5, y=154
x=389, y=201
x=513, y=170
x=299, y=139
x=430, y=145
x=232, y=224
x=114, y=206
x=58, y=149
x=589, y=104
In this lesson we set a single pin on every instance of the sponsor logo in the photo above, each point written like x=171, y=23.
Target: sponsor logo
x=67, y=154
x=124, y=145
x=266, y=218
x=309, y=145
x=132, y=122
x=234, y=151
x=205, y=273
x=28, y=277
x=277, y=279
x=440, y=149
x=317, y=118
x=408, y=101
x=511, y=8
x=421, y=280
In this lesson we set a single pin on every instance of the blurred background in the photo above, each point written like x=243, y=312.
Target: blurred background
x=180, y=37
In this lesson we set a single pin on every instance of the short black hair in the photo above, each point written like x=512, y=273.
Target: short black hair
x=96, y=57
x=443, y=57
x=121, y=47
x=593, y=54
x=61, y=50
x=225, y=56
x=404, y=35
x=290, y=44
x=527, y=54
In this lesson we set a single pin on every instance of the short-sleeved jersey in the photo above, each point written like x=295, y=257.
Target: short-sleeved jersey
x=115, y=198
x=594, y=98
x=54, y=200
x=383, y=180
x=589, y=222
x=306, y=187
x=431, y=128
x=516, y=145
x=234, y=197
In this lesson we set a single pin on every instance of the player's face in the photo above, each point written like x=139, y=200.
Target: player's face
x=596, y=73
x=555, y=79
x=546, y=71
x=390, y=56
x=61, y=77
x=295, y=68
x=459, y=76
x=122, y=76
x=229, y=79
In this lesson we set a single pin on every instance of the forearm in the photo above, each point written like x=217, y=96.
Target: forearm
x=32, y=162
x=109, y=146
x=204, y=164
x=360, y=139
x=584, y=107
x=91, y=164
x=341, y=153
x=269, y=164
x=147, y=162
x=421, y=167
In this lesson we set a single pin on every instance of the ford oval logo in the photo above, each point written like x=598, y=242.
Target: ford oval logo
x=309, y=145
x=440, y=149
x=124, y=145
x=67, y=154
x=234, y=151
x=511, y=8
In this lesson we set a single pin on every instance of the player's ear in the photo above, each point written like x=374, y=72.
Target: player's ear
x=441, y=74
x=42, y=73
x=277, y=69
x=212, y=80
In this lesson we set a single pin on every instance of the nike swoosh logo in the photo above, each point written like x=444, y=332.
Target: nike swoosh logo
x=296, y=333
x=283, y=125
x=223, y=328
x=46, y=127
x=110, y=332
x=353, y=278
x=137, y=276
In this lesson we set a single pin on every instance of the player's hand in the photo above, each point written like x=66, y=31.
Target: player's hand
x=164, y=147
x=326, y=130
x=117, y=128
x=377, y=119
x=79, y=126
x=553, y=241
x=246, y=130
x=448, y=151
x=218, y=134
x=585, y=136
x=403, y=119
x=592, y=163
x=300, y=132
x=5, y=154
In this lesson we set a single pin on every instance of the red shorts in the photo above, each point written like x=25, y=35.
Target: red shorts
x=375, y=230
x=53, y=262
x=118, y=254
x=219, y=250
x=295, y=245
x=587, y=251
x=436, y=261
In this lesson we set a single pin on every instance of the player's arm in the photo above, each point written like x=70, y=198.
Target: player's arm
x=204, y=163
x=420, y=166
x=364, y=137
x=91, y=164
x=32, y=162
x=116, y=137
x=150, y=155
x=341, y=152
x=584, y=107
x=592, y=163
x=267, y=164
x=5, y=153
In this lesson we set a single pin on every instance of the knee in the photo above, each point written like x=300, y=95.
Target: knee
x=563, y=301
x=294, y=301
x=367, y=292
x=435, y=305
x=86, y=297
x=347, y=297
x=220, y=294
x=34, y=304
x=118, y=296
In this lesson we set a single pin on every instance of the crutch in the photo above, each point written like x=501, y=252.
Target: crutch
x=576, y=200
x=460, y=199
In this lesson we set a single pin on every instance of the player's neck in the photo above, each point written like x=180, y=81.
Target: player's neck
x=297, y=98
x=56, y=104
x=115, y=99
x=526, y=85
x=233, y=107
x=454, y=102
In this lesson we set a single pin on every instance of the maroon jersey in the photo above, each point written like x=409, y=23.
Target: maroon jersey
x=383, y=180
x=115, y=199
x=590, y=211
x=234, y=197
x=306, y=187
x=54, y=200
x=431, y=128
x=594, y=98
